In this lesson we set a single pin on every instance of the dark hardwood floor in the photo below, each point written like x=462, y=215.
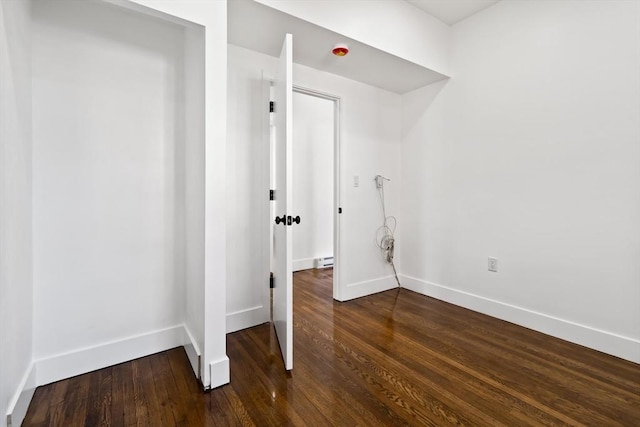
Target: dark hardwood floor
x=394, y=358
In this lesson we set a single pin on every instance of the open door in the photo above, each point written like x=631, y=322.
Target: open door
x=283, y=278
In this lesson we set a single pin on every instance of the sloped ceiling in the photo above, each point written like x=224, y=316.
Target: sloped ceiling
x=257, y=27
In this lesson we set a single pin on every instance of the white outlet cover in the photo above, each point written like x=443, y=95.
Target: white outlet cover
x=493, y=264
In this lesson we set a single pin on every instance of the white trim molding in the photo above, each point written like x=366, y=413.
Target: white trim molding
x=303, y=264
x=19, y=404
x=83, y=360
x=219, y=370
x=368, y=287
x=78, y=362
x=193, y=352
x=247, y=318
x=606, y=342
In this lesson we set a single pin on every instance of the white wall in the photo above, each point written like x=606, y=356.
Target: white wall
x=395, y=27
x=370, y=125
x=313, y=136
x=247, y=190
x=199, y=189
x=16, y=287
x=108, y=126
x=530, y=154
x=212, y=17
x=193, y=189
x=370, y=145
x=18, y=376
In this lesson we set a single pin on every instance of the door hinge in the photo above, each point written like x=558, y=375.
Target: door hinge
x=339, y=210
x=272, y=281
x=272, y=106
x=272, y=194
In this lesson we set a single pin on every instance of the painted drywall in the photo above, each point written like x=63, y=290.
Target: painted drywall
x=212, y=17
x=370, y=133
x=193, y=189
x=247, y=193
x=16, y=287
x=530, y=154
x=108, y=124
x=370, y=145
x=313, y=136
x=395, y=27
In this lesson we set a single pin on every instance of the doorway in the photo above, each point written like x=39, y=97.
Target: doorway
x=316, y=178
x=312, y=181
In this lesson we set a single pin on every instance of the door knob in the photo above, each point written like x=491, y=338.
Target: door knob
x=282, y=220
x=291, y=220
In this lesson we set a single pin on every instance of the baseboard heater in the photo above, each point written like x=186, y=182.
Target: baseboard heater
x=324, y=262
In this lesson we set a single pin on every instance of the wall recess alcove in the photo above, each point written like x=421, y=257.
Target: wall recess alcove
x=118, y=186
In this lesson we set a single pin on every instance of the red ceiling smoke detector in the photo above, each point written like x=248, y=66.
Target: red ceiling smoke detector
x=340, y=50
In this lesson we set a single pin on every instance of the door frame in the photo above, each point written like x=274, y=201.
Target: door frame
x=337, y=292
x=269, y=175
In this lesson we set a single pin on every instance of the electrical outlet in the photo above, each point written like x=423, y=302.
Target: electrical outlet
x=493, y=264
x=356, y=181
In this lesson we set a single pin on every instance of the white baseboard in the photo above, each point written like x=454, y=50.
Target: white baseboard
x=248, y=318
x=368, y=287
x=303, y=264
x=19, y=404
x=606, y=342
x=81, y=361
x=219, y=370
x=193, y=352
x=67, y=365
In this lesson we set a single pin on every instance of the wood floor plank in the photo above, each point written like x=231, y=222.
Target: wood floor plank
x=118, y=394
x=390, y=359
x=311, y=393
x=99, y=399
x=145, y=409
x=182, y=384
x=73, y=409
x=415, y=394
x=218, y=410
x=53, y=404
x=389, y=371
x=454, y=355
x=44, y=395
x=238, y=408
x=445, y=359
x=270, y=392
x=163, y=385
x=127, y=388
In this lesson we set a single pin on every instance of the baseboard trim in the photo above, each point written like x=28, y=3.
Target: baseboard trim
x=67, y=365
x=219, y=370
x=368, y=287
x=606, y=342
x=19, y=404
x=193, y=352
x=81, y=361
x=303, y=264
x=248, y=318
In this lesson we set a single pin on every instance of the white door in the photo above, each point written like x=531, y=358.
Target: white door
x=283, y=278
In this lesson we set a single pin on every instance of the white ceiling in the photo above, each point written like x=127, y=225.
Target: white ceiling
x=261, y=28
x=452, y=11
